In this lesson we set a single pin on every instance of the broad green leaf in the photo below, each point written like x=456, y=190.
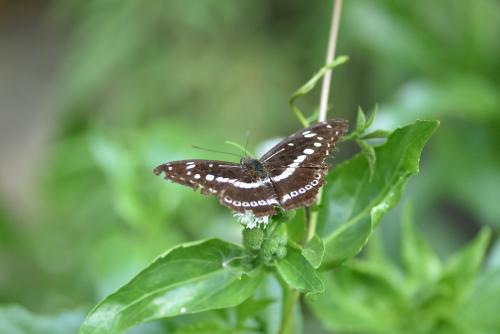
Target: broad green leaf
x=191, y=278
x=421, y=263
x=314, y=250
x=297, y=272
x=353, y=206
x=15, y=319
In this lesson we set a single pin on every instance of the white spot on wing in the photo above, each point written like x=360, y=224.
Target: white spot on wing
x=197, y=176
x=245, y=185
x=308, y=151
x=272, y=201
x=290, y=144
x=310, y=135
x=190, y=166
x=209, y=177
x=317, y=144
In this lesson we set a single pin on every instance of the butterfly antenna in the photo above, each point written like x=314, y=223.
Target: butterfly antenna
x=215, y=151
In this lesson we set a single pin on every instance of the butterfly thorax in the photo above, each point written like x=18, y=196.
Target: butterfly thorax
x=253, y=166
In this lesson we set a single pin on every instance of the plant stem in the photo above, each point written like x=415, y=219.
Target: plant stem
x=292, y=296
x=325, y=93
x=330, y=55
x=287, y=323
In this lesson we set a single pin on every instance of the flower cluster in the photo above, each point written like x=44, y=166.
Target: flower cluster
x=250, y=220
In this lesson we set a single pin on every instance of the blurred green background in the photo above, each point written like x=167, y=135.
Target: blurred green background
x=94, y=94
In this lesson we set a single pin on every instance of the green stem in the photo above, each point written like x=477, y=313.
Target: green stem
x=291, y=296
x=287, y=323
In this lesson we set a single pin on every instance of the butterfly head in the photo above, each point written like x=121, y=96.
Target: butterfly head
x=253, y=165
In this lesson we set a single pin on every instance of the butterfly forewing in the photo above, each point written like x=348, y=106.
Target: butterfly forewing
x=297, y=167
x=308, y=147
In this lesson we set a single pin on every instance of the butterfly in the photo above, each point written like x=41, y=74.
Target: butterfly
x=289, y=175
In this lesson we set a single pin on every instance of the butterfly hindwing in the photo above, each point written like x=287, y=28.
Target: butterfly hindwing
x=301, y=190
x=260, y=199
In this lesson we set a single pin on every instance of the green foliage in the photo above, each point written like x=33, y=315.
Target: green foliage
x=354, y=204
x=200, y=277
x=190, y=278
x=297, y=272
x=375, y=295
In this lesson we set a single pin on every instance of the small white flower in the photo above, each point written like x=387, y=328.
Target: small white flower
x=250, y=220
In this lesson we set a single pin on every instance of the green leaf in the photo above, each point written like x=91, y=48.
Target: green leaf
x=421, y=263
x=296, y=227
x=360, y=121
x=309, y=85
x=314, y=250
x=206, y=327
x=371, y=118
x=190, y=278
x=463, y=268
x=297, y=272
x=252, y=307
x=353, y=206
